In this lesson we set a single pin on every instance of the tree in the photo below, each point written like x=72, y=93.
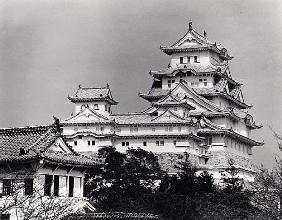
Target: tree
x=124, y=178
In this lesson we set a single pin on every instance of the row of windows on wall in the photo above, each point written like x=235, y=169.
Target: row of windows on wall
x=189, y=59
x=106, y=107
x=52, y=185
x=89, y=142
x=158, y=143
x=234, y=145
x=10, y=186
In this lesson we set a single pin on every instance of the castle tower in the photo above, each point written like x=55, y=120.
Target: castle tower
x=198, y=73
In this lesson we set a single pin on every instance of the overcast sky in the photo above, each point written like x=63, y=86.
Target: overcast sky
x=49, y=47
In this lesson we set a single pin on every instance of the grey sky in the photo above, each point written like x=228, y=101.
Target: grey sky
x=49, y=47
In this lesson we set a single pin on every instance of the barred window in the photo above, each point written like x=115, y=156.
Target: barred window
x=28, y=187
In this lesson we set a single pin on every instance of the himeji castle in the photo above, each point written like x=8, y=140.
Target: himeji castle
x=196, y=109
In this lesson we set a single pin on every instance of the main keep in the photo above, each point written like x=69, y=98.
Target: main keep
x=197, y=109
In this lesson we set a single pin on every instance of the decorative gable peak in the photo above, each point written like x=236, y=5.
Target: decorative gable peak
x=193, y=41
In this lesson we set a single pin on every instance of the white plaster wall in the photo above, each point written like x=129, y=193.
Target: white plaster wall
x=203, y=58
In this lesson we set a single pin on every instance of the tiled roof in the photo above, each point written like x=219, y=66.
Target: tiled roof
x=33, y=143
x=93, y=94
x=112, y=215
x=202, y=44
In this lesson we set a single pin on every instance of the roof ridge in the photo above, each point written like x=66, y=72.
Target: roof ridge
x=13, y=131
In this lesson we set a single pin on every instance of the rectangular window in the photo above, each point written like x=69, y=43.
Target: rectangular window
x=5, y=216
x=71, y=186
x=127, y=143
x=96, y=107
x=157, y=143
x=161, y=143
x=79, y=137
x=195, y=59
x=123, y=143
x=169, y=83
x=144, y=143
x=181, y=59
x=88, y=142
x=173, y=81
x=205, y=83
x=188, y=59
x=179, y=129
x=56, y=185
x=75, y=143
x=170, y=128
x=28, y=187
x=7, y=187
x=93, y=142
x=106, y=107
x=101, y=128
x=48, y=185
x=174, y=142
x=200, y=80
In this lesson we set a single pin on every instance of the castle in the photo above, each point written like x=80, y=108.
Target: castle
x=196, y=108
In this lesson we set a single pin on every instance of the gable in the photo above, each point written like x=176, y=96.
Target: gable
x=168, y=116
x=86, y=115
x=60, y=146
x=200, y=103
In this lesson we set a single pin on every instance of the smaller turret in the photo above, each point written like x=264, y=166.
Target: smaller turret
x=97, y=99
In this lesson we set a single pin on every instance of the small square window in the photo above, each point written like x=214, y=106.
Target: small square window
x=161, y=143
x=144, y=143
x=79, y=136
x=127, y=143
x=123, y=143
x=93, y=142
x=96, y=107
x=205, y=83
x=200, y=80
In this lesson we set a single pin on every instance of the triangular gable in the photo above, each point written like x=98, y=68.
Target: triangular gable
x=168, y=116
x=168, y=99
x=191, y=38
x=60, y=145
x=201, y=104
x=85, y=115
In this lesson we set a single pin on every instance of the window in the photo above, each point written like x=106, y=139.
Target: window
x=56, y=185
x=28, y=187
x=175, y=108
x=144, y=143
x=93, y=142
x=188, y=59
x=157, y=143
x=200, y=80
x=209, y=140
x=5, y=216
x=181, y=59
x=75, y=143
x=106, y=108
x=88, y=142
x=96, y=107
x=173, y=81
x=125, y=143
x=169, y=83
x=79, y=137
x=179, y=129
x=153, y=129
x=48, y=185
x=71, y=186
x=205, y=82
x=161, y=143
x=174, y=142
x=7, y=187
x=169, y=128
x=102, y=129
x=133, y=129
x=195, y=59
x=109, y=108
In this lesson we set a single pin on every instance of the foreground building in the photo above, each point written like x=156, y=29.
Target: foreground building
x=40, y=174
x=196, y=108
